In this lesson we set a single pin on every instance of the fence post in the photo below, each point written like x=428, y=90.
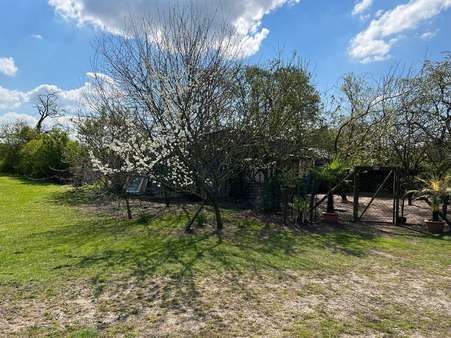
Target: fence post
x=395, y=196
x=312, y=198
x=355, y=214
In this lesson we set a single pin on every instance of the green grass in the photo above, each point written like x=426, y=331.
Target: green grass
x=47, y=242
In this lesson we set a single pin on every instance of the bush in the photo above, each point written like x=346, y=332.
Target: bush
x=44, y=156
x=13, y=138
x=24, y=151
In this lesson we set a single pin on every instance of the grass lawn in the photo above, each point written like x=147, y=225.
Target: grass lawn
x=71, y=269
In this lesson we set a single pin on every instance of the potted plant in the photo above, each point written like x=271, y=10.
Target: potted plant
x=329, y=175
x=300, y=204
x=435, y=191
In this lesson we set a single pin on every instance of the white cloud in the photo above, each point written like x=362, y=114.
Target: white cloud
x=361, y=6
x=15, y=104
x=7, y=66
x=375, y=43
x=426, y=36
x=379, y=13
x=10, y=99
x=68, y=100
x=11, y=117
x=37, y=36
x=244, y=15
x=250, y=44
x=365, y=17
x=66, y=121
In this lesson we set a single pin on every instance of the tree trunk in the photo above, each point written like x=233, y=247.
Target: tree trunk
x=166, y=198
x=343, y=196
x=219, y=224
x=39, y=126
x=212, y=198
x=312, y=213
x=189, y=226
x=445, y=207
x=127, y=204
x=285, y=206
x=330, y=202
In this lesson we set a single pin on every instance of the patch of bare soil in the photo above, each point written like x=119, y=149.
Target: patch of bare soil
x=263, y=305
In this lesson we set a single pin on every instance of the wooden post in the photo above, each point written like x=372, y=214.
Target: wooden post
x=395, y=197
x=355, y=215
x=394, y=200
x=312, y=199
x=398, y=187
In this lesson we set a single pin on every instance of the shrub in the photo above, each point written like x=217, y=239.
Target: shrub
x=25, y=151
x=13, y=138
x=44, y=156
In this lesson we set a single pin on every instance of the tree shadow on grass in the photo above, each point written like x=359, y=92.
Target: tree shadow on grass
x=168, y=264
x=345, y=238
x=351, y=241
x=161, y=258
x=85, y=195
x=29, y=181
x=160, y=246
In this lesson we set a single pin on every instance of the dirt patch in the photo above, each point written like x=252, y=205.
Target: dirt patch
x=385, y=300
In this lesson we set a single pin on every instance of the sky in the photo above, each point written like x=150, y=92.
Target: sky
x=49, y=44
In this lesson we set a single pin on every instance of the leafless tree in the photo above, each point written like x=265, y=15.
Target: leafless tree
x=433, y=105
x=402, y=120
x=364, y=115
x=47, y=107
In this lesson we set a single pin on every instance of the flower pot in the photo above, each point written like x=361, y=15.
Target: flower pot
x=435, y=227
x=329, y=217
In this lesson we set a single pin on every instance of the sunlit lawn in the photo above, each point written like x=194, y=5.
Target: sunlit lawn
x=66, y=271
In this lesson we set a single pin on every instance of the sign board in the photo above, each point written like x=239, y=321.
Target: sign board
x=137, y=185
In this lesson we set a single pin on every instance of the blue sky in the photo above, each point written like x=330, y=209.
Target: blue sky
x=47, y=44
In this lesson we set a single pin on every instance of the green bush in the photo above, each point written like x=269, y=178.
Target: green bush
x=27, y=152
x=13, y=138
x=44, y=156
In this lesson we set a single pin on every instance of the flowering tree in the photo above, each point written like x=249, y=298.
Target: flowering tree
x=171, y=106
x=118, y=150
